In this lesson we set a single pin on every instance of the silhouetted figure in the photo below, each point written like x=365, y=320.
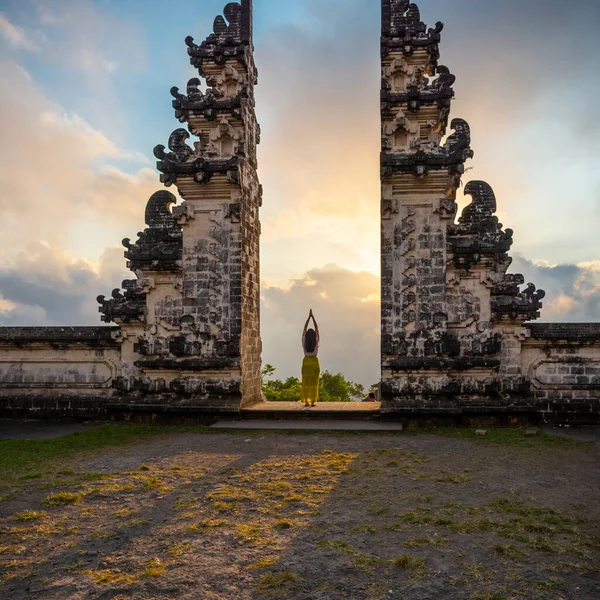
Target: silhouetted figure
x=311, y=369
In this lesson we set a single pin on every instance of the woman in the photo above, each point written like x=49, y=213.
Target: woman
x=311, y=369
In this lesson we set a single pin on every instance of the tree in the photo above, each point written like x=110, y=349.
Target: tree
x=332, y=388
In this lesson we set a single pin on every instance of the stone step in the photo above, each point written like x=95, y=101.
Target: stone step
x=349, y=411
x=308, y=425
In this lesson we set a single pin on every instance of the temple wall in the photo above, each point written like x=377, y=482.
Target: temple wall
x=58, y=371
x=251, y=344
x=562, y=363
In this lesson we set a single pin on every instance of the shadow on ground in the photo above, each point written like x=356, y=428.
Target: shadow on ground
x=309, y=517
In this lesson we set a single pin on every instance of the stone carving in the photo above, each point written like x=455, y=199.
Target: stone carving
x=231, y=37
x=158, y=247
x=458, y=145
x=180, y=153
x=447, y=303
x=479, y=234
x=401, y=19
x=445, y=81
x=124, y=307
x=524, y=306
x=193, y=263
x=198, y=163
x=210, y=104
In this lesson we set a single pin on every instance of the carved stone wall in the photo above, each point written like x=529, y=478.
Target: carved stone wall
x=455, y=337
x=196, y=342
x=188, y=335
x=57, y=371
x=562, y=362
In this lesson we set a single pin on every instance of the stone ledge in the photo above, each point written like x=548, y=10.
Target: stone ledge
x=440, y=364
x=572, y=332
x=32, y=335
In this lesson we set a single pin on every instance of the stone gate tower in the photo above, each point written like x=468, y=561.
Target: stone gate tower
x=189, y=322
x=452, y=319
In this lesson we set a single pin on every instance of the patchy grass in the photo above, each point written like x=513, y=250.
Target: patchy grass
x=248, y=533
x=286, y=506
x=504, y=437
x=430, y=541
x=206, y=525
x=30, y=515
x=366, y=562
x=34, y=459
x=62, y=498
x=276, y=581
x=415, y=565
x=109, y=577
x=264, y=563
x=363, y=528
x=551, y=584
x=154, y=568
x=334, y=545
x=507, y=551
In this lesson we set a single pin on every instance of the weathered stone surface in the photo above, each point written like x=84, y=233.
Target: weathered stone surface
x=189, y=335
x=454, y=337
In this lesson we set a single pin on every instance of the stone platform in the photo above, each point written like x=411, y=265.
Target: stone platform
x=353, y=411
x=309, y=425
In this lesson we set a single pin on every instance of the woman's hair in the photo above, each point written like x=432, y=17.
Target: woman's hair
x=310, y=340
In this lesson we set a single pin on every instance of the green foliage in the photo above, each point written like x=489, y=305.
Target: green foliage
x=332, y=388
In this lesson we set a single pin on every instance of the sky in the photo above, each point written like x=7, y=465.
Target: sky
x=84, y=98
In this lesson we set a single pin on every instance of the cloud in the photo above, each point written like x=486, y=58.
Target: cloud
x=58, y=169
x=16, y=36
x=346, y=305
x=46, y=286
x=572, y=291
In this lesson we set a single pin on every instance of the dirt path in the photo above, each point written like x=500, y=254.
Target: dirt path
x=310, y=517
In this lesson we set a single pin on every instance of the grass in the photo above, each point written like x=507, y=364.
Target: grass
x=334, y=545
x=272, y=581
x=364, y=528
x=504, y=437
x=282, y=493
x=507, y=551
x=62, y=498
x=247, y=533
x=415, y=565
x=419, y=541
x=550, y=584
x=153, y=568
x=206, y=525
x=108, y=577
x=30, y=515
x=264, y=563
x=284, y=524
x=33, y=459
x=22, y=460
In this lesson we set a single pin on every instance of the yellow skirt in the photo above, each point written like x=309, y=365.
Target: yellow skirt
x=311, y=372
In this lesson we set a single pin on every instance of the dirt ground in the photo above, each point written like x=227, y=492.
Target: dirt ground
x=365, y=517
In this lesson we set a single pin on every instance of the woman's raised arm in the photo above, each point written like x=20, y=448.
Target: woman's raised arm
x=316, y=326
x=306, y=325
